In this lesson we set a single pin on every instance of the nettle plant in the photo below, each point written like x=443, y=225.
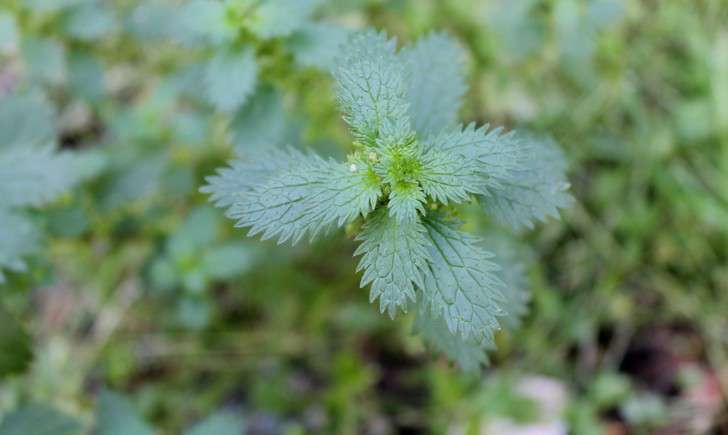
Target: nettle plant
x=410, y=170
x=33, y=173
x=242, y=41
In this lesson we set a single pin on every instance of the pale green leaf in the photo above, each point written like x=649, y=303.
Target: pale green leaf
x=45, y=60
x=394, y=256
x=490, y=153
x=406, y=201
x=448, y=177
x=261, y=122
x=90, y=21
x=317, y=44
x=435, y=80
x=279, y=18
x=468, y=353
x=9, y=35
x=537, y=189
x=86, y=75
x=511, y=258
x=253, y=168
x=230, y=78
x=221, y=423
x=228, y=260
x=309, y=199
x=115, y=415
x=371, y=89
x=39, y=420
x=26, y=121
x=200, y=22
x=18, y=238
x=461, y=284
x=31, y=176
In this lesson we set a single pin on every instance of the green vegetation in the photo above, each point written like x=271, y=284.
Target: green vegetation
x=130, y=305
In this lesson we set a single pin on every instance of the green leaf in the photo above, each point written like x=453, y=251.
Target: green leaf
x=221, y=423
x=461, y=284
x=90, y=21
x=228, y=260
x=230, y=78
x=311, y=198
x=371, y=89
x=434, y=66
x=115, y=415
x=261, y=122
x=18, y=237
x=35, y=176
x=317, y=44
x=45, y=60
x=535, y=190
x=406, y=200
x=280, y=18
x=26, y=121
x=448, y=177
x=16, y=350
x=468, y=353
x=39, y=420
x=200, y=22
x=394, y=258
x=255, y=167
x=511, y=258
x=9, y=34
x=492, y=155
x=86, y=75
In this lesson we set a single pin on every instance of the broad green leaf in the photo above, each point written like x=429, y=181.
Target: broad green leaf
x=461, y=283
x=510, y=257
x=16, y=351
x=434, y=66
x=18, y=237
x=371, y=89
x=45, y=60
x=468, y=353
x=86, y=75
x=26, y=121
x=490, y=153
x=115, y=415
x=311, y=198
x=9, y=35
x=261, y=122
x=199, y=230
x=35, y=176
x=230, y=78
x=253, y=168
x=318, y=44
x=90, y=21
x=221, y=423
x=394, y=256
x=228, y=260
x=278, y=18
x=406, y=202
x=448, y=177
x=201, y=22
x=534, y=191
x=39, y=420
x=150, y=20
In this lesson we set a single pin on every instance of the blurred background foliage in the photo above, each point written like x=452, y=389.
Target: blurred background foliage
x=143, y=308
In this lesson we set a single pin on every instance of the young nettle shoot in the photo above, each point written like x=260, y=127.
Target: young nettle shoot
x=411, y=167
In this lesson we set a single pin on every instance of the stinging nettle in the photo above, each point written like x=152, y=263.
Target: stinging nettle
x=411, y=166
